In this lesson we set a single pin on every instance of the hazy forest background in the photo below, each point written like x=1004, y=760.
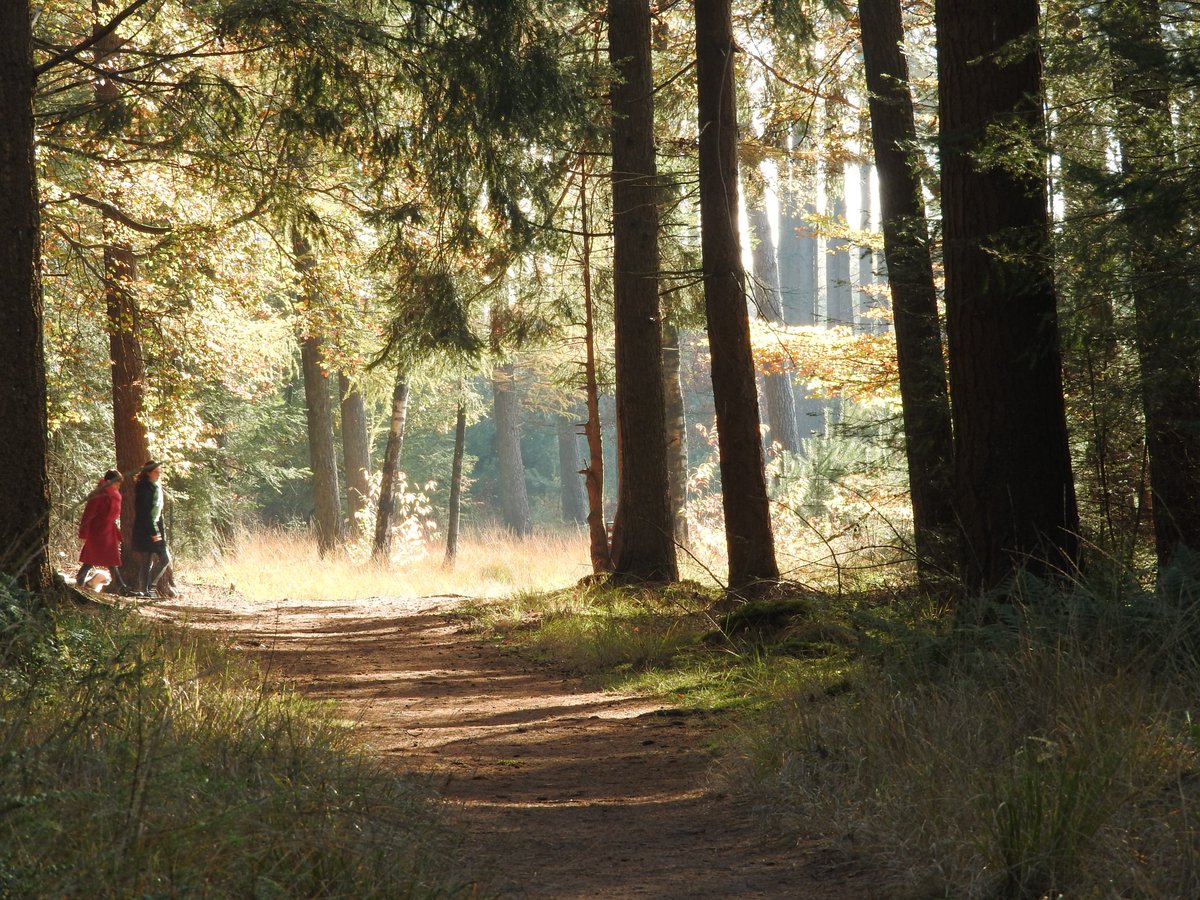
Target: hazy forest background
x=867, y=336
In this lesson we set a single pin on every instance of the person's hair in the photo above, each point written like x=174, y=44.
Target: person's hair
x=149, y=467
x=111, y=477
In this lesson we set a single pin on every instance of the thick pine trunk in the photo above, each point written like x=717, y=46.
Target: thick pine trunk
x=643, y=547
x=381, y=548
x=456, y=469
x=327, y=506
x=925, y=403
x=24, y=515
x=677, y=448
x=778, y=390
x=743, y=481
x=573, y=500
x=514, y=497
x=128, y=373
x=356, y=452
x=1015, y=497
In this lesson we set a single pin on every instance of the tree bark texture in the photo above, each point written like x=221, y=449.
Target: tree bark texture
x=25, y=514
x=677, y=447
x=514, y=497
x=1165, y=299
x=1015, y=498
x=643, y=546
x=593, y=471
x=743, y=481
x=356, y=452
x=128, y=384
x=327, y=505
x=381, y=548
x=925, y=404
x=778, y=389
x=573, y=500
x=456, y=471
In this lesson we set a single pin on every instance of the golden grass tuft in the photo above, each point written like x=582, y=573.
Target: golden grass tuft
x=273, y=564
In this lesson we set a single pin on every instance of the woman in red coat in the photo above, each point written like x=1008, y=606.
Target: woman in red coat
x=99, y=532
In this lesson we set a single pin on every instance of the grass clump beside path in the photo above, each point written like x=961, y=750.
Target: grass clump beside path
x=1054, y=751
x=138, y=761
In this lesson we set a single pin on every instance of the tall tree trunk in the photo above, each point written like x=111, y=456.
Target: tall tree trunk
x=456, y=469
x=356, y=452
x=25, y=513
x=128, y=373
x=643, y=547
x=126, y=356
x=677, y=448
x=1015, y=497
x=797, y=243
x=925, y=404
x=1165, y=299
x=574, y=502
x=777, y=386
x=743, y=481
x=867, y=303
x=839, y=294
x=593, y=472
x=381, y=548
x=514, y=498
x=327, y=506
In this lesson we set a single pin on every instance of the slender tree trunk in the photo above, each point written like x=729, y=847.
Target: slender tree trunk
x=327, y=506
x=381, y=548
x=643, y=547
x=593, y=472
x=866, y=256
x=777, y=386
x=839, y=294
x=356, y=452
x=1166, y=301
x=925, y=403
x=1015, y=497
x=514, y=498
x=456, y=470
x=574, y=502
x=677, y=448
x=25, y=513
x=743, y=481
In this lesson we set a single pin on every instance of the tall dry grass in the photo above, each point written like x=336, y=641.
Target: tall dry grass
x=491, y=562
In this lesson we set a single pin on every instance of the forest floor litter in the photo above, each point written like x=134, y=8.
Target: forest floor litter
x=560, y=790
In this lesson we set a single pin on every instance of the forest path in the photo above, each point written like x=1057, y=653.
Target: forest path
x=561, y=791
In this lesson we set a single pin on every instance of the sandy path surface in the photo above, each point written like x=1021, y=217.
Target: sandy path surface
x=562, y=791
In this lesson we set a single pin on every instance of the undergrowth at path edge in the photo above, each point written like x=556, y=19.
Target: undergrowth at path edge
x=1052, y=753
x=142, y=762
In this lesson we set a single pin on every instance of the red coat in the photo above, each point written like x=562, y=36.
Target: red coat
x=98, y=529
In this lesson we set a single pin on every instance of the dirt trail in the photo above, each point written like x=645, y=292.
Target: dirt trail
x=562, y=791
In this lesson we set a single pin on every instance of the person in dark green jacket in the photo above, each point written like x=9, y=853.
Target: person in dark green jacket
x=149, y=533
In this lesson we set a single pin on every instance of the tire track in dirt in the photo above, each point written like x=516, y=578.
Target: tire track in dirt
x=560, y=791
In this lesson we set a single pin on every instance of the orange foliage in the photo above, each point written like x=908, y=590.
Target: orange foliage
x=831, y=361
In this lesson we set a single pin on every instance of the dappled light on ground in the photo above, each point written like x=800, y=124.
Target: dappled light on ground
x=561, y=790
